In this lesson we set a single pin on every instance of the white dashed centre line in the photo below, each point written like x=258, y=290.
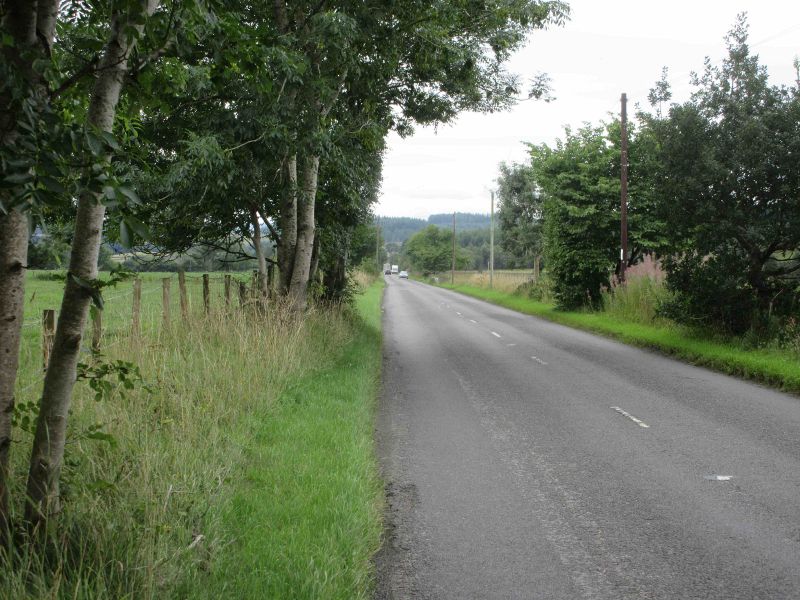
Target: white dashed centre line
x=718, y=477
x=458, y=313
x=510, y=345
x=625, y=413
x=495, y=334
x=538, y=360
x=473, y=321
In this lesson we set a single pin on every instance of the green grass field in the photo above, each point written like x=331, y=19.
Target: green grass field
x=778, y=368
x=247, y=472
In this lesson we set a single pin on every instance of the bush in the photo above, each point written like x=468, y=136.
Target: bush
x=540, y=290
x=710, y=292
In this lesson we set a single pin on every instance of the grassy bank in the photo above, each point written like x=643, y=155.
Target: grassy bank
x=778, y=368
x=247, y=471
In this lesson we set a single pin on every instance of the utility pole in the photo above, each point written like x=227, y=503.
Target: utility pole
x=623, y=253
x=377, y=245
x=491, y=245
x=453, y=270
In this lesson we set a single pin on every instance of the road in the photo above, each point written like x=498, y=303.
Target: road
x=524, y=459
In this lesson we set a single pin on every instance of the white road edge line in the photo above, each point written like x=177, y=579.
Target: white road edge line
x=538, y=360
x=495, y=334
x=625, y=413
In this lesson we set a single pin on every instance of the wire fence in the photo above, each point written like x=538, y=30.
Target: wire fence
x=159, y=304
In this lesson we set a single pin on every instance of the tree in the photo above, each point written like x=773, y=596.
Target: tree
x=519, y=213
x=729, y=184
x=431, y=250
x=579, y=182
x=28, y=30
x=42, y=492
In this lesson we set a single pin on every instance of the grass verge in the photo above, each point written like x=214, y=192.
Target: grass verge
x=779, y=369
x=304, y=516
x=247, y=472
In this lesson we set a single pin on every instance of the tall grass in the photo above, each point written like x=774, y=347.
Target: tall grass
x=153, y=513
x=636, y=301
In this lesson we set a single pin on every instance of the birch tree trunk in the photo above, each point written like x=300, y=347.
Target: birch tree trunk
x=298, y=288
x=13, y=261
x=31, y=26
x=288, y=226
x=48, y=447
x=263, y=290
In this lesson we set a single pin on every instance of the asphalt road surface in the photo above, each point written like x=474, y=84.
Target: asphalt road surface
x=524, y=459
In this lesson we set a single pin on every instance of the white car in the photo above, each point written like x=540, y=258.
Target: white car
x=403, y=275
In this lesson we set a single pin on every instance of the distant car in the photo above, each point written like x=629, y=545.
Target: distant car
x=403, y=275
x=387, y=272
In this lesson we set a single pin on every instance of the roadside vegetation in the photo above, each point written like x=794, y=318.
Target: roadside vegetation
x=240, y=463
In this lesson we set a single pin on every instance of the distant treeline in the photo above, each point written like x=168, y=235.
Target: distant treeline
x=399, y=229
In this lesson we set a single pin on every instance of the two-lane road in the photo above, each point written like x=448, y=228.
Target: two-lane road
x=528, y=460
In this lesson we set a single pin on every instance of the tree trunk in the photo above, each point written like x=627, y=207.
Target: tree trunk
x=263, y=290
x=13, y=263
x=288, y=226
x=301, y=270
x=31, y=26
x=314, y=270
x=48, y=447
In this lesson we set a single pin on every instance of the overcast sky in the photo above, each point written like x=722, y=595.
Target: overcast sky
x=608, y=47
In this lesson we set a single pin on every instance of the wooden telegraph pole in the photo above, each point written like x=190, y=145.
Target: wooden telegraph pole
x=453, y=270
x=623, y=253
x=491, y=245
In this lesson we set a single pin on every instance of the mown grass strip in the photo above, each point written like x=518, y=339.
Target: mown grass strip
x=772, y=367
x=303, y=520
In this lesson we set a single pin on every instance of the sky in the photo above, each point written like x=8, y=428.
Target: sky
x=608, y=47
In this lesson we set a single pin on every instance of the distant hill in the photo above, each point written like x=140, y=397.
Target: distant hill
x=399, y=229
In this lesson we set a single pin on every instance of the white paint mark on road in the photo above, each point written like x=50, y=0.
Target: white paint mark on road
x=458, y=313
x=538, y=360
x=718, y=477
x=473, y=321
x=625, y=413
x=510, y=345
x=495, y=334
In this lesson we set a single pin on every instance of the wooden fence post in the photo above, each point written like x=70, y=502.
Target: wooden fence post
x=136, y=327
x=242, y=294
x=48, y=335
x=227, y=291
x=165, y=299
x=206, y=294
x=97, y=328
x=271, y=279
x=183, y=296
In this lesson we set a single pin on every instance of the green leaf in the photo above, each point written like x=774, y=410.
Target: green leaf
x=129, y=194
x=110, y=140
x=52, y=185
x=124, y=234
x=138, y=227
x=18, y=178
x=95, y=144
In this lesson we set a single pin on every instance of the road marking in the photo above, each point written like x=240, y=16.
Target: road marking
x=458, y=313
x=718, y=477
x=538, y=360
x=495, y=334
x=510, y=345
x=625, y=413
x=473, y=321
